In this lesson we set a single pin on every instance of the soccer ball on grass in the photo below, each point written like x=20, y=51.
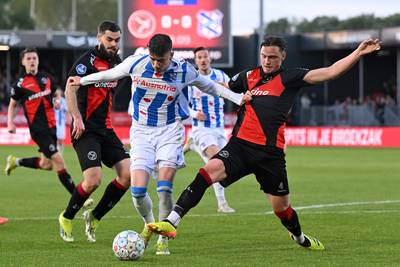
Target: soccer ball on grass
x=128, y=245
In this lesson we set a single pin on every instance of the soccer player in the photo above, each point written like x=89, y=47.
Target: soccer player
x=93, y=137
x=160, y=102
x=207, y=112
x=61, y=111
x=34, y=91
x=257, y=142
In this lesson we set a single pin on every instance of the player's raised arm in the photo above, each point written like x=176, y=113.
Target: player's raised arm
x=343, y=65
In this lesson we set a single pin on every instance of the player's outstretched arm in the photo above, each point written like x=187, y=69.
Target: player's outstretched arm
x=343, y=65
x=212, y=88
x=72, y=104
x=12, y=111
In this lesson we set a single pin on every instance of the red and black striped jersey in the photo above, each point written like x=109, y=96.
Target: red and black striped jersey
x=95, y=100
x=262, y=121
x=35, y=94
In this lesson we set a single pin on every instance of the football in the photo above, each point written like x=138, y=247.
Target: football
x=128, y=245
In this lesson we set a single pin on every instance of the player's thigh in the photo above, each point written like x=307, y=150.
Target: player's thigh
x=142, y=151
x=88, y=150
x=271, y=173
x=236, y=162
x=169, y=146
x=112, y=150
x=47, y=142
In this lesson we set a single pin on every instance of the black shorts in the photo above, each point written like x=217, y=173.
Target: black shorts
x=46, y=140
x=97, y=146
x=241, y=158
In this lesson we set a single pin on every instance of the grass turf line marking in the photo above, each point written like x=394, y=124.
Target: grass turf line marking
x=320, y=206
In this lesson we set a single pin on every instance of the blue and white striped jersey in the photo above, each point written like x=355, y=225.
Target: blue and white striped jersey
x=160, y=99
x=211, y=106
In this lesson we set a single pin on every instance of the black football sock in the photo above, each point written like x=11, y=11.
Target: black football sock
x=29, y=162
x=111, y=196
x=76, y=201
x=290, y=220
x=66, y=180
x=192, y=195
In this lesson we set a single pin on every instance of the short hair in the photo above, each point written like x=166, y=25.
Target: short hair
x=160, y=44
x=274, y=41
x=197, y=49
x=28, y=50
x=108, y=25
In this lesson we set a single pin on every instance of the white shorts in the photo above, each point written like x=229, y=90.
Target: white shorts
x=159, y=147
x=206, y=137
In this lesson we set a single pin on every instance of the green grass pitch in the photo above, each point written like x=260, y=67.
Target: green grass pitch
x=349, y=198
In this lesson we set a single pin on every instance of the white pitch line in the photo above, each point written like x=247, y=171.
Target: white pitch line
x=320, y=206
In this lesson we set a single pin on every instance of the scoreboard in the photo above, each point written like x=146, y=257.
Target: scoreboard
x=189, y=23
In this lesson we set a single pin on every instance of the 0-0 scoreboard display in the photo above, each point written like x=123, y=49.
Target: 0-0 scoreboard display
x=189, y=23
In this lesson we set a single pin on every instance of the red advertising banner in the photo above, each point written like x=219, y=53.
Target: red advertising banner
x=295, y=136
x=343, y=136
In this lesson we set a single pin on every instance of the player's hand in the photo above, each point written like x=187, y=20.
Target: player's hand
x=247, y=97
x=369, y=46
x=78, y=128
x=74, y=81
x=200, y=116
x=11, y=128
x=56, y=102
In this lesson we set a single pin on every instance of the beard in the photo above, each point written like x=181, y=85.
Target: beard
x=107, y=54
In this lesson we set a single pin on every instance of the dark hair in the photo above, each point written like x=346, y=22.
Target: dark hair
x=108, y=26
x=27, y=50
x=274, y=41
x=160, y=44
x=197, y=49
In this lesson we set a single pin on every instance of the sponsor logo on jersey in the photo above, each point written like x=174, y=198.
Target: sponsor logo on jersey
x=81, y=69
x=111, y=84
x=40, y=94
x=257, y=91
x=153, y=85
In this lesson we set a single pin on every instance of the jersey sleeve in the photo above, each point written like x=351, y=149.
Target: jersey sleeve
x=238, y=83
x=16, y=91
x=81, y=67
x=191, y=73
x=293, y=78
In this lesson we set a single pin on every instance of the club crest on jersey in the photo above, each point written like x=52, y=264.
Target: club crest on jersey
x=43, y=80
x=81, y=69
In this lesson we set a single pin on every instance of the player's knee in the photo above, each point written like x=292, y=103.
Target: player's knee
x=216, y=169
x=91, y=182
